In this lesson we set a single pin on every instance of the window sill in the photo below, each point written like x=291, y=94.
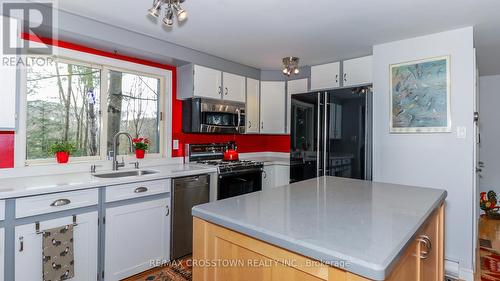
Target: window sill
x=51, y=167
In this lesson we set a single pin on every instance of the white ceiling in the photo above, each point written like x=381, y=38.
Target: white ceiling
x=259, y=33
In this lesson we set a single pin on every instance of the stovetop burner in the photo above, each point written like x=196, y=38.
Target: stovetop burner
x=233, y=166
x=213, y=154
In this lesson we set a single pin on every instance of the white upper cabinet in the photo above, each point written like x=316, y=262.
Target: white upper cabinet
x=207, y=82
x=196, y=81
x=8, y=91
x=253, y=106
x=272, y=107
x=325, y=76
x=298, y=86
x=234, y=87
x=357, y=71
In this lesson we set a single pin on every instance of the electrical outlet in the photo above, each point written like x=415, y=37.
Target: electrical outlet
x=461, y=132
x=175, y=144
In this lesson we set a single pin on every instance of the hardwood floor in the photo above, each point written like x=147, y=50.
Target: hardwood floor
x=179, y=270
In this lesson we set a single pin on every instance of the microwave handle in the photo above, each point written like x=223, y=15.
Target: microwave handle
x=239, y=120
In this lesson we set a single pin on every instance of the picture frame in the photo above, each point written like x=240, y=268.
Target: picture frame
x=420, y=96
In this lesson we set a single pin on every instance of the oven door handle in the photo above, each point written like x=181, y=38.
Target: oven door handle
x=240, y=172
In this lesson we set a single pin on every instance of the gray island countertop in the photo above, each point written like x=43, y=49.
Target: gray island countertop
x=365, y=224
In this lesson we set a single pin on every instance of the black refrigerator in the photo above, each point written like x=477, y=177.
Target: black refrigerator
x=331, y=134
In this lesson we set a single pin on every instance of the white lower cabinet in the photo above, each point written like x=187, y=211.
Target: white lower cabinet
x=275, y=175
x=268, y=177
x=28, y=249
x=136, y=235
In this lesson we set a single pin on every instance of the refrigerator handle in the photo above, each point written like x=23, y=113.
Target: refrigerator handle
x=318, y=138
x=325, y=137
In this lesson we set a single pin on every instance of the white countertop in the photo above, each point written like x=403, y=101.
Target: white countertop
x=366, y=224
x=36, y=185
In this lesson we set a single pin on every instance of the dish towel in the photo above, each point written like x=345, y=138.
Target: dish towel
x=58, y=256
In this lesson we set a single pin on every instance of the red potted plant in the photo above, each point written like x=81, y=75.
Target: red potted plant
x=62, y=151
x=141, y=145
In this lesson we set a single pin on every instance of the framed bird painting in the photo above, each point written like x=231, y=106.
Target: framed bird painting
x=420, y=96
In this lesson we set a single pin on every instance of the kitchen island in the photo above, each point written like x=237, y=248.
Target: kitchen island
x=322, y=229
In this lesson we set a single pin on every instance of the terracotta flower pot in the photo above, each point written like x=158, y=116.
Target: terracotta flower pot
x=62, y=157
x=139, y=153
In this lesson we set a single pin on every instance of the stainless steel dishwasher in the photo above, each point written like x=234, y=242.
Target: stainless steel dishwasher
x=187, y=192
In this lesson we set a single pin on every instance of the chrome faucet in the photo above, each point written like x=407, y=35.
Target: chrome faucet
x=117, y=165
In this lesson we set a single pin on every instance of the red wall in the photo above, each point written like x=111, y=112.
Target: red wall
x=6, y=149
x=246, y=143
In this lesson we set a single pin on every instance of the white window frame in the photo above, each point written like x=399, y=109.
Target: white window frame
x=105, y=64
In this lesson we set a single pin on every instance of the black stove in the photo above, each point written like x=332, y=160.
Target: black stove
x=234, y=177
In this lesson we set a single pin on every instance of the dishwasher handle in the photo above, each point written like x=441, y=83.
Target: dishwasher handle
x=201, y=179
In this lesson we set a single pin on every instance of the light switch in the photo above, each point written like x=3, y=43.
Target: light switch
x=461, y=132
x=175, y=144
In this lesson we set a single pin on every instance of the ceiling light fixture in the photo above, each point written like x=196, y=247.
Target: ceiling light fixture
x=171, y=5
x=168, y=20
x=291, y=65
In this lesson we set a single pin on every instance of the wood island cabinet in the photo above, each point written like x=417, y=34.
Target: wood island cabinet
x=223, y=254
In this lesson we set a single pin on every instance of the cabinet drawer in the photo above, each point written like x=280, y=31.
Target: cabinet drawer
x=2, y=210
x=37, y=205
x=136, y=190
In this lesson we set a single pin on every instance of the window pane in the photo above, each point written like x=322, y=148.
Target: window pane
x=133, y=107
x=62, y=105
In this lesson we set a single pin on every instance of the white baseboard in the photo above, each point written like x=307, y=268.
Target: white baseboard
x=453, y=269
x=466, y=274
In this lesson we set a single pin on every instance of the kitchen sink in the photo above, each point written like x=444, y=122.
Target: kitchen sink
x=126, y=174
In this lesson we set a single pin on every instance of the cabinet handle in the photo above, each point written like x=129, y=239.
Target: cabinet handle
x=60, y=202
x=426, y=241
x=227, y=91
x=249, y=124
x=262, y=125
x=168, y=212
x=265, y=174
x=336, y=78
x=141, y=189
x=345, y=77
x=220, y=91
x=21, y=244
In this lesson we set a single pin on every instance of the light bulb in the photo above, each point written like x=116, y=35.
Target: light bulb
x=181, y=13
x=296, y=71
x=155, y=10
x=285, y=71
x=168, y=19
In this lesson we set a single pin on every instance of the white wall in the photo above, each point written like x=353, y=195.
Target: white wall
x=489, y=149
x=431, y=160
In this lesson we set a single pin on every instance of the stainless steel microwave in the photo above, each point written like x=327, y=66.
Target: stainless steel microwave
x=210, y=116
